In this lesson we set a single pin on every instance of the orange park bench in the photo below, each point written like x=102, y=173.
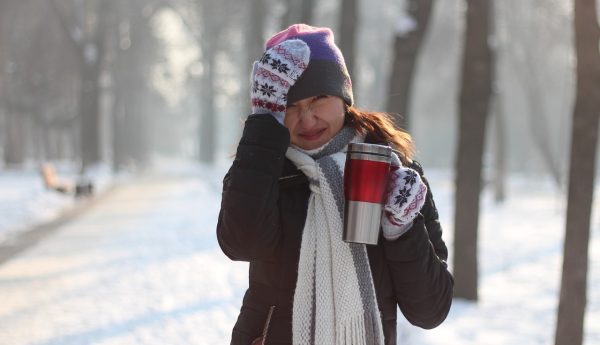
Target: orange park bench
x=79, y=188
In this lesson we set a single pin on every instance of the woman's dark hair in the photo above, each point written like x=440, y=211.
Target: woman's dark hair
x=380, y=127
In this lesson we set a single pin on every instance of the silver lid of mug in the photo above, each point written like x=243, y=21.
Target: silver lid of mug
x=370, y=152
x=365, y=148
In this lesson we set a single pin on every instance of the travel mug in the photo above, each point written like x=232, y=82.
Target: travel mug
x=366, y=175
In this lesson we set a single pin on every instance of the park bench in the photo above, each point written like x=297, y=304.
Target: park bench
x=79, y=188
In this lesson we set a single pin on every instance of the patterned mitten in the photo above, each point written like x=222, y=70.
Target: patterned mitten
x=406, y=196
x=275, y=73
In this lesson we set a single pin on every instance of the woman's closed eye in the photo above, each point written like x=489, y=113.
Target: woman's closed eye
x=318, y=101
x=291, y=109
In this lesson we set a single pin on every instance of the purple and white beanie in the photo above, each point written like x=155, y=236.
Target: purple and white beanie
x=326, y=73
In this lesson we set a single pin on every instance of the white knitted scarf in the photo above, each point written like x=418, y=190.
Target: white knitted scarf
x=334, y=300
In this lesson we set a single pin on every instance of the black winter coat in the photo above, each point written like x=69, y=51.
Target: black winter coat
x=263, y=209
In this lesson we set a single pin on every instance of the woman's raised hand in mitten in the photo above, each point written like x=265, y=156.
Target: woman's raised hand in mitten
x=405, y=198
x=275, y=73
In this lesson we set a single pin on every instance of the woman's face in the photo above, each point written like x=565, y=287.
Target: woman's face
x=314, y=121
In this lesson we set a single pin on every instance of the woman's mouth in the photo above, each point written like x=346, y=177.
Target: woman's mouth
x=313, y=135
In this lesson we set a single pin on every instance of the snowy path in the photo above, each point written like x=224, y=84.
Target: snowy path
x=142, y=267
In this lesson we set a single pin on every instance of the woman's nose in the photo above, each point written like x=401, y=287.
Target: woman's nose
x=307, y=117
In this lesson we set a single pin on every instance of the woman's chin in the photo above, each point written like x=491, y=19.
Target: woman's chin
x=310, y=144
x=308, y=147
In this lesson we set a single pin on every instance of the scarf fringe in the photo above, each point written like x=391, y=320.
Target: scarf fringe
x=360, y=329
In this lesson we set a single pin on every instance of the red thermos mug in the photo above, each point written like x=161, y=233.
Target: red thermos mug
x=366, y=174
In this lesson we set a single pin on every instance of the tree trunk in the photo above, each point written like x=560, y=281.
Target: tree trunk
x=3, y=46
x=255, y=33
x=306, y=14
x=500, y=168
x=499, y=126
x=524, y=48
x=410, y=31
x=90, y=51
x=89, y=114
x=537, y=122
x=206, y=131
x=210, y=48
x=90, y=101
x=118, y=136
x=474, y=106
x=349, y=25
x=291, y=15
x=584, y=139
x=254, y=47
x=135, y=133
x=14, y=139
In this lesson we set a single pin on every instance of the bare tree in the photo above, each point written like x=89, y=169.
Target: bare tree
x=411, y=28
x=42, y=67
x=532, y=49
x=13, y=84
x=307, y=11
x=4, y=29
x=27, y=66
x=297, y=11
x=474, y=102
x=499, y=121
x=584, y=139
x=204, y=21
x=85, y=26
x=291, y=14
x=347, y=37
x=135, y=54
x=39, y=82
x=209, y=46
x=254, y=42
x=500, y=136
x=14, y=138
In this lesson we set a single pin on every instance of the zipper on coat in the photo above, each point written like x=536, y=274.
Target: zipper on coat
x=262, y=340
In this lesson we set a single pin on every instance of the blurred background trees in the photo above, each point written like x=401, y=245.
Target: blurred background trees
x=88, y=81
x=169, y=77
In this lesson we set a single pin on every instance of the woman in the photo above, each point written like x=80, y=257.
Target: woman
x=282, y=210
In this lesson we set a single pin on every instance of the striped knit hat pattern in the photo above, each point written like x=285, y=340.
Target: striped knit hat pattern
x=326, y=73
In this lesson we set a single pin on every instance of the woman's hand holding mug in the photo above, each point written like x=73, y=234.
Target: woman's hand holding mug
x=405, y=198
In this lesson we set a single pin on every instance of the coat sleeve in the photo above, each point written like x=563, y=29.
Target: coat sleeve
x=248, y=226
x=422, y=283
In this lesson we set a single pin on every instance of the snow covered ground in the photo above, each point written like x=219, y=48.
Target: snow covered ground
x=143, y=267
x=24, y=201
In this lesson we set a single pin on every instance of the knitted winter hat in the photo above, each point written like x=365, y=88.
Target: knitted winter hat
x=326, y=73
